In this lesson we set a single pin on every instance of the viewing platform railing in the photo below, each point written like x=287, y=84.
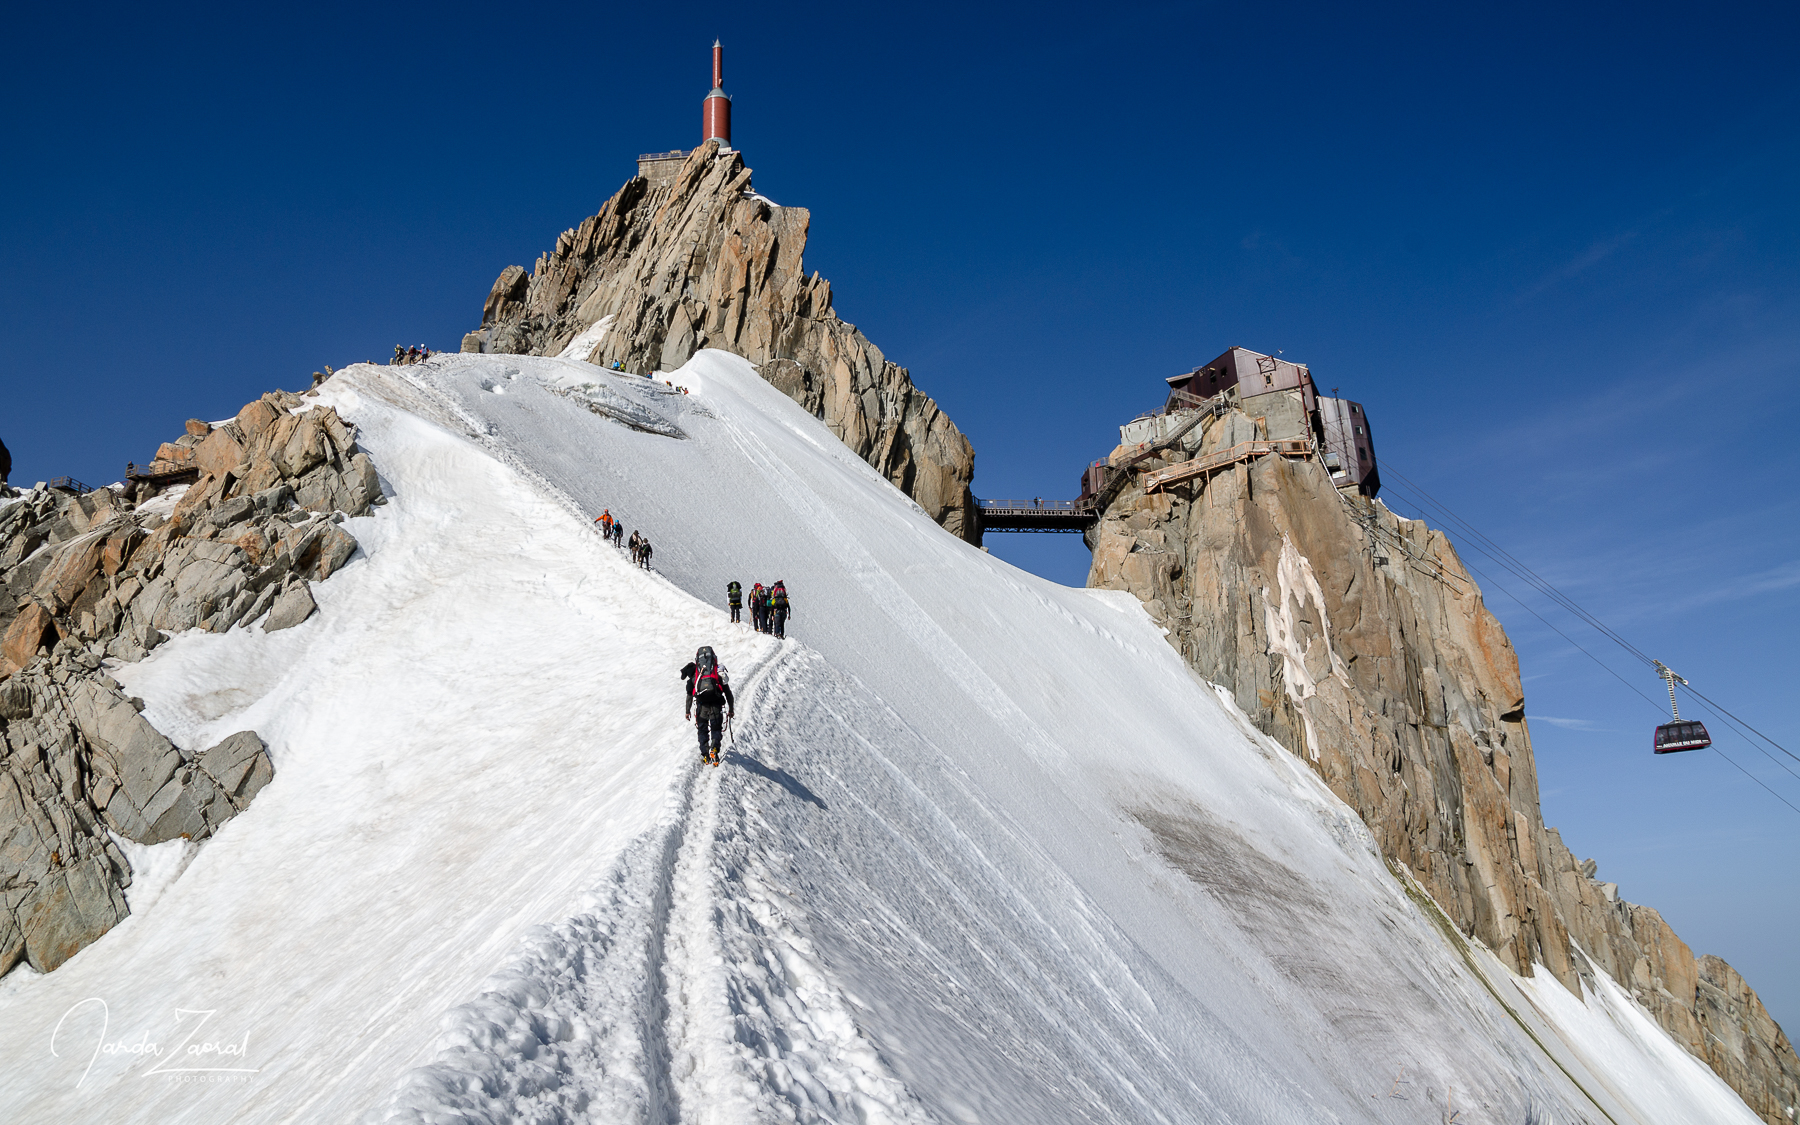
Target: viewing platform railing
x=1242, y=451
x=136, y=472
x=1036, y=515
x=1032, y=506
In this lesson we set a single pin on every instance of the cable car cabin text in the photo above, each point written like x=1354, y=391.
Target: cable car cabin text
x=1673, y=738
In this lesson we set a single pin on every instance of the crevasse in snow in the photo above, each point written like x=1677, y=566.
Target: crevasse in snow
x=981, y=849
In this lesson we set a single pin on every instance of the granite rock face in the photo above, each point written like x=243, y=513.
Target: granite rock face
x=80, y=759
x=108, y=574
x=1359, y=641
x=703, y=262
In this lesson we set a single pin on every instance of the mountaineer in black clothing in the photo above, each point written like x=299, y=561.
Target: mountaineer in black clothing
x=734, y=597
x=709, y=688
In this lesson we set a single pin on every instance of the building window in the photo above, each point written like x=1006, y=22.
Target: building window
x=1359, y=429
x=1362, y=454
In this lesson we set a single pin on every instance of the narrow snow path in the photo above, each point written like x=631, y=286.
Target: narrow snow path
x=687, y=990
x=762, y=1031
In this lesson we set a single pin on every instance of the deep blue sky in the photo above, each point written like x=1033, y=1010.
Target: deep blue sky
x=1554, y=251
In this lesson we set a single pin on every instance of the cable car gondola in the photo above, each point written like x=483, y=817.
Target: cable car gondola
x=1674, y=737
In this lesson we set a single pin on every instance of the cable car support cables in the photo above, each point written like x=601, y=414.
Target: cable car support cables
x=1423, y=501
x=1500, y=555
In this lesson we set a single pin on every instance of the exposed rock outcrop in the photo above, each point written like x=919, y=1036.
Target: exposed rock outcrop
x=703, y=262
x=108, y=574
x=1358, y=640
x=79, y=760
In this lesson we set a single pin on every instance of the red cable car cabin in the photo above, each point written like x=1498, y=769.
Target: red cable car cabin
x=1672, y=738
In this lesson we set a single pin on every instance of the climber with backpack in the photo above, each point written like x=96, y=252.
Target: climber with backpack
x=779, y=609
x=708, y=689
x=756, y=607
x=734, y=597
x=605, y=521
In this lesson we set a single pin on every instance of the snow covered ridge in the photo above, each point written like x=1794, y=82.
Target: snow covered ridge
x=981, y=848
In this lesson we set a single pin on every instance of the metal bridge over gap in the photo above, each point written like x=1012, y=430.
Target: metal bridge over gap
x=1037, y=515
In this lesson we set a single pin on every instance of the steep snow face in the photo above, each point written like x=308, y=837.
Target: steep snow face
x=982, y=849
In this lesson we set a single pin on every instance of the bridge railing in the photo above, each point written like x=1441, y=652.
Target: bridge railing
x=1032, y=505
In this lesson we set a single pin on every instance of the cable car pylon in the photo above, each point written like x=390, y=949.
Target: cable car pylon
x=1674, y=737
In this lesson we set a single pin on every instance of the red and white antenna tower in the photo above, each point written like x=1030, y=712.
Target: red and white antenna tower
x=715, y=111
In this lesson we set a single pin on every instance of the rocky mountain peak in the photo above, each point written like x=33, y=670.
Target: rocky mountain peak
x=699, y=260
x=1358, y=640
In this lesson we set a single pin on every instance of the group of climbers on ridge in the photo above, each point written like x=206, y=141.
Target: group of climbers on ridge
x=613, y=531
x=706, y=683
x=769, y=606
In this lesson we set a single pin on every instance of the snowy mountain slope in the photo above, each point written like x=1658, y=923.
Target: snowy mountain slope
x=983, y=849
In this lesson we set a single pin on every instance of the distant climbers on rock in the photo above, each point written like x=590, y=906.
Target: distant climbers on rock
x=709, y=690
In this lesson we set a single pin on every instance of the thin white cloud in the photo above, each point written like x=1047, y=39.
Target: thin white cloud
x=1567, y=724
x=1596, y=253
x=1776, y=578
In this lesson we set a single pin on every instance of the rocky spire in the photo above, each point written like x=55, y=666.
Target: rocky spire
x=701, y=261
